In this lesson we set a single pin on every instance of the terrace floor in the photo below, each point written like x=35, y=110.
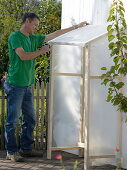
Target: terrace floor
x=42, y=163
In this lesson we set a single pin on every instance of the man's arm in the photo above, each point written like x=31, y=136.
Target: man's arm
x=63, y=31
x=30, y=55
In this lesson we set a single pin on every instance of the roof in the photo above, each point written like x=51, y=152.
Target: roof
x=81, y=36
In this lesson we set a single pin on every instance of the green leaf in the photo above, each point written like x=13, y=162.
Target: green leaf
x=121, y=3
x=103, y=76
x=116, y=102
x=111, y=45
x=116, y=60
x=110, y=32
x=122, y=8
x=121, y=13
x=103, y=68
x=124, y=61
x=112, y=84
x=115, y=51
x=109, y=98
x=111, y=37
x=111, y=18
x=109, y=27
x=105, y=81
x=119, y=85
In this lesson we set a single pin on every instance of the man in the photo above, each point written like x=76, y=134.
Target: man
x=23, y=49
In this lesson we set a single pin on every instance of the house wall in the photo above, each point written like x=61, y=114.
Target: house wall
x=93, y=11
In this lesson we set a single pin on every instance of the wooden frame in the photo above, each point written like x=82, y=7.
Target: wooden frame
x=82, y=79
x=85, y=78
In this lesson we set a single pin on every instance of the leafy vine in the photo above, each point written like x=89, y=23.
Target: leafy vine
x=117, y=37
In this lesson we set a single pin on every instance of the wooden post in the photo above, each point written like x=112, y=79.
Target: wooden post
x=47, y=111
x=82, y=102
x=37, y=116
x=120, y=125
x=42, y=115
x=86, y=99
x=2, y=120
x=50, y=109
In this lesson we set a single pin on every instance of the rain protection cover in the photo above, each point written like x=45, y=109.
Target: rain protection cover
x=67, y=54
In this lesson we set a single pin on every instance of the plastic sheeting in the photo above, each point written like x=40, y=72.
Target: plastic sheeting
x=81, y=36
x=67, y=51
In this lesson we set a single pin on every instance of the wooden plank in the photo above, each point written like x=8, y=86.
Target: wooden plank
x=120, y=121
x=65, y=148
x=42, y=116
x=102, y=156
x=3, y=97
x=37, y=116
x=47, y=111
x=2, y=119
x=99, y=77
x=86, y=99
x=82, y=86
x=50, y=113
x=67, y=74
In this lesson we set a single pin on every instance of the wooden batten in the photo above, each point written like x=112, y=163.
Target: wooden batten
x=50, y=110
x=42, y=114
x=65, y=148
x=86, y=108
x=102, y=156
x=82, y=85
x=68, y=74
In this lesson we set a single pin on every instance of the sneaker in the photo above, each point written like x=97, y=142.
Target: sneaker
x=15, y=157
x=30, y=153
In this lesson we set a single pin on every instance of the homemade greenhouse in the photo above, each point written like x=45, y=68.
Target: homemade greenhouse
x=80, y=119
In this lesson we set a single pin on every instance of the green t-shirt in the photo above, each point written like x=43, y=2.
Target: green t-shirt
x=22, y=72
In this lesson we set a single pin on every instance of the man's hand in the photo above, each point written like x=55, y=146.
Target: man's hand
x=63, y=31
x=82, y=24
x=45, y=49
x=31, y=55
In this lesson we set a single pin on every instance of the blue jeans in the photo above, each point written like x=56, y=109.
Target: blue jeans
x=19, y=98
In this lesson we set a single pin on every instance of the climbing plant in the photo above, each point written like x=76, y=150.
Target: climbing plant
x=114, y=76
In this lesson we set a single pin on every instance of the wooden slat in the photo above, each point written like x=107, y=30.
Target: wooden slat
x=42, y=115
x=3, y=97
x=65, y=148
x=82, y=88
x=67, y=74
x=47, y=111
x=102, y=156
x=50, y=112
x=2, y=120
x=86, y=99
x=37, y=116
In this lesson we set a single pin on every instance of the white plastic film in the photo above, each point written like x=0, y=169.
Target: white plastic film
x=66, y=111
x=81, y=36
x=103, y=121
x=67, y=59
x=99, y=56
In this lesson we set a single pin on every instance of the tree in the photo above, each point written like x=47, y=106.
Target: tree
x=11, y=12
x=118, y=45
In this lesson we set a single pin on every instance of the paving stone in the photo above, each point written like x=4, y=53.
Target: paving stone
x=43, y=163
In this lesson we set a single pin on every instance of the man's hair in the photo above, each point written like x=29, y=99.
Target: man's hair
x=29, y=16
